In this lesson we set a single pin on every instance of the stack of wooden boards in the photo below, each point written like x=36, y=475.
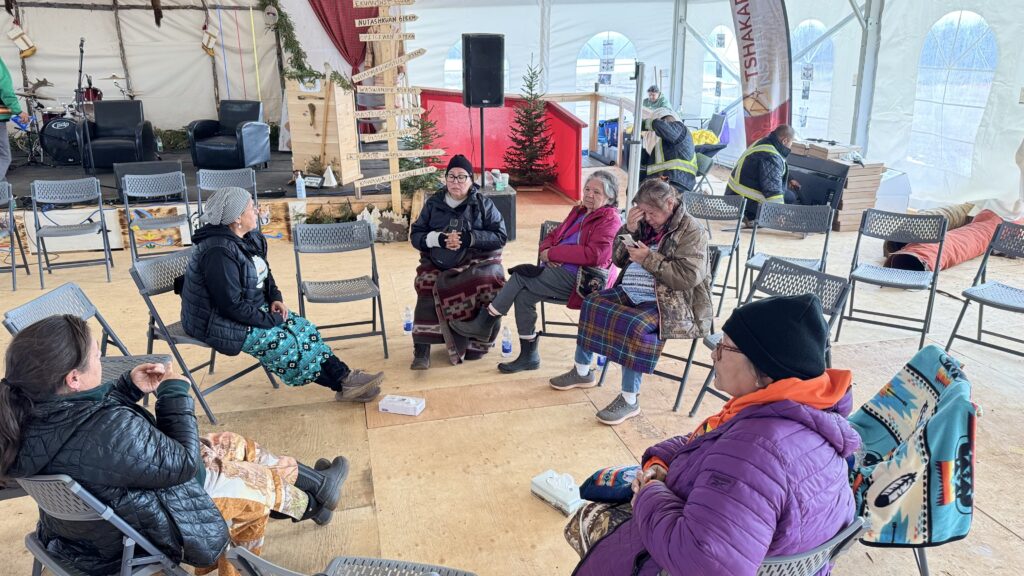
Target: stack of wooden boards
x=861, y=181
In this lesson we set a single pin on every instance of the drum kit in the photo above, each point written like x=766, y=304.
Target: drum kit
x=51, y=133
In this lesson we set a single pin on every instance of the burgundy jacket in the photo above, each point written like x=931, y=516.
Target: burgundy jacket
x=595, y=245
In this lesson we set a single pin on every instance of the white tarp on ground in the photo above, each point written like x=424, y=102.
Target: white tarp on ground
x=168, y=68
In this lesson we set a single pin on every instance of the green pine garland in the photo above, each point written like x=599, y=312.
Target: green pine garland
x=298, y=68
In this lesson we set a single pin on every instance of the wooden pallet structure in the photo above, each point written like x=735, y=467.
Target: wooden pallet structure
x=862, y=182
x=322, y=123
x=387, y=44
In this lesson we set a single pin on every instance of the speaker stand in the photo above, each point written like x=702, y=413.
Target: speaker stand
x=483, y=171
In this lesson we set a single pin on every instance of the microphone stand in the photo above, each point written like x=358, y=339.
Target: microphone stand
x=80, y=105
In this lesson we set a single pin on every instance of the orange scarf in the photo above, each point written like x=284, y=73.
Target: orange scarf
x=822, y=392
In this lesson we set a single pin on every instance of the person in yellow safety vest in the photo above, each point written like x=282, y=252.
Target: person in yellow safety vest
x=671, y=157
x=761, y=173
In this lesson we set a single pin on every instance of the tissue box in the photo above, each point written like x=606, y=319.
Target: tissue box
x=408, y=405
x=558, y=490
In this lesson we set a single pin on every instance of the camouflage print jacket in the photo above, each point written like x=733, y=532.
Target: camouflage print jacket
x=682, y=276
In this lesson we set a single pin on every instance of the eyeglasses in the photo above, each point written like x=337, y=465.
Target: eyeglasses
x=723, y=346
x=459, y=178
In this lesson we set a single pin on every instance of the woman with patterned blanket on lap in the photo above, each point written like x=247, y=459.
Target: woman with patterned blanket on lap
x=460, y=235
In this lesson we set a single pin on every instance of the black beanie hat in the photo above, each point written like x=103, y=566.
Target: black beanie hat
x=783, y=336
x=460, y=161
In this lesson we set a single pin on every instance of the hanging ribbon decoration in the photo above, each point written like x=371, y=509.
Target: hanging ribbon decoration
x=255, y=55
x=223, y=51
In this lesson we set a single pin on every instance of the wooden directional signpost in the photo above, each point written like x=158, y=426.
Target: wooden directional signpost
x=387, y=41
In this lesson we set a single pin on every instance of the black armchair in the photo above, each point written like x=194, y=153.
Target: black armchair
x=238, y=139
x=119, y=133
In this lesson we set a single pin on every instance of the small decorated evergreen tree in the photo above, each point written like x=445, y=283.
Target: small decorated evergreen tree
x=423, y=139
x=528, y=160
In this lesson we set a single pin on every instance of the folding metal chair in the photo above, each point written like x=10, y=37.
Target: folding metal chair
x=10, y=231
x=69, y=299
x=547, y=228
x=780, y=277
x=62, y=498
x=788, y=218
x=68, y=192
x=717, y=123
x=212, y=180
x=906, y=228
x=811, y=562
x=249, y=564
x=714, y=256
x=151, y=187
x=708, y=207
x=1009, y=240
x=333, y=239
x=155, y=276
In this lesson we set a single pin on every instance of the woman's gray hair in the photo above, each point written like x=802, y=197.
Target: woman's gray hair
x=610, y=184
x=656, y=192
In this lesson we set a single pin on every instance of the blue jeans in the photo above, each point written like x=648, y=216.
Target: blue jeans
x=630, y=378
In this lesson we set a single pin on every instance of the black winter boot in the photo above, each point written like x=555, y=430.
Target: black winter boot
x=420, y=357
x=528, y=359
x=323, y=484
x=479, y=328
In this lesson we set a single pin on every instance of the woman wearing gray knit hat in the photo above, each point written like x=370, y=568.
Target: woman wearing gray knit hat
x=231, y=302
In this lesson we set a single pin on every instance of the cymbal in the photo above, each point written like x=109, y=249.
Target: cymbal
x=113, y=77
x=35, y=96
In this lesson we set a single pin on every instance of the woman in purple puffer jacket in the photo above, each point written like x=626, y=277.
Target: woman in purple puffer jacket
x=765, y=477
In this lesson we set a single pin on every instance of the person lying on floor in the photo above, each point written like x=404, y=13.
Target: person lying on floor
x=230, y=301
x=189, y=495
x=764, y=477
x=459, y=234
x=664, y=291
x=574, y=258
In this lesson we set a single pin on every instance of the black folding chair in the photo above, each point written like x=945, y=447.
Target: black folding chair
x=788, y=218
x=10, y=231
x=547, y=228
x=709, y=208
x=67, y=193
x=152, y=187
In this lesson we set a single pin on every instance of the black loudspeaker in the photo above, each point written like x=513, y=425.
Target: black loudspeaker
x=483, y=77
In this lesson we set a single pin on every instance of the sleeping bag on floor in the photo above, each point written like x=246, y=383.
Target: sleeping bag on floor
x=964, y=243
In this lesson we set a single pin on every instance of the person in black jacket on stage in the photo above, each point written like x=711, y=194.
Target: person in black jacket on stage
x=459, y=234
x=190, y=495
x=230, y=301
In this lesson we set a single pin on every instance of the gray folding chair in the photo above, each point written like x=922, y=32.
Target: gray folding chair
x=62, y=498
x=714, y=255
x=905, y=228
x=69, y=299
x=9, y=230
x=709, y=207
x=780, y=277
x=68, y=192
x=249, y=564
x=810, y=563
x=151, y=187
x=788, y=218
x=717, y=123
x=210, y=181
x=333, y=239
x=547, y=228
x=155, y=276
x=1008, y=240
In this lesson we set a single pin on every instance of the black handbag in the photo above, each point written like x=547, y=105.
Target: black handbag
x=590, y=279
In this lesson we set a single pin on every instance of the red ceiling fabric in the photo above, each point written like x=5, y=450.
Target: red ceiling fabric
x=339, y=20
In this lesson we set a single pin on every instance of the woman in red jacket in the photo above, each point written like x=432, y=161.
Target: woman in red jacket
x=575, y=261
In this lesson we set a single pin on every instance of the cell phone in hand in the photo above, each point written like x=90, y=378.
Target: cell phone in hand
x=628, y=241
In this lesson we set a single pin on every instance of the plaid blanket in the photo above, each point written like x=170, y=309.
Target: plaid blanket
x=455, y=294
x=627, y=334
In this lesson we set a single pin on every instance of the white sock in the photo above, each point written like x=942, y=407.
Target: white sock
x=528, y=337
x=630, y=397
x=583, y=369
x=491, y=310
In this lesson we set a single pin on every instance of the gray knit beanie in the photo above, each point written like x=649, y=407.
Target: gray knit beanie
x=226, y=205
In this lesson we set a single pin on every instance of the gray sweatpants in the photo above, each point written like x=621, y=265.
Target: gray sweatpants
x=553, y=285
x=5, y=151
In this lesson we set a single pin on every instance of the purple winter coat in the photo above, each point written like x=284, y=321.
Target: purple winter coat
x=772, y=481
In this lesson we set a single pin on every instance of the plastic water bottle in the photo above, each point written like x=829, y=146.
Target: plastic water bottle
x=506, y=342
x=300, y=186
x=601, y=360
x=407, y=320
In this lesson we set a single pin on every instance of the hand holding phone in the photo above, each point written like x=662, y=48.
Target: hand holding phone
x=628, y=241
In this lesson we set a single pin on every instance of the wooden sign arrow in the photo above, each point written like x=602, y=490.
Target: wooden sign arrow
x=388, y=65
x=386, y=90
x=396, y=176
x=380, y=3
x=365, y=22
x=389, y=113
x=396, y=154
x=387, y=37
x=380, y=136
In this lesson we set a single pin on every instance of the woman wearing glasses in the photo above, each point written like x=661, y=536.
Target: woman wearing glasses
x=460, y=235
x=764, y=477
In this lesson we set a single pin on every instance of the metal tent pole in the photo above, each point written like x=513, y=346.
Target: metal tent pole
x=634, y=139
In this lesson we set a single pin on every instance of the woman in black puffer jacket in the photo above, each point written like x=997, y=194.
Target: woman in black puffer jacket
x=189, y=495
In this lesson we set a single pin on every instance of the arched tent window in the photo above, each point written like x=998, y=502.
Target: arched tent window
x=812, y=79
x=453, y=68
x=608, y=59
x=720, y=87
x=954, y=77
